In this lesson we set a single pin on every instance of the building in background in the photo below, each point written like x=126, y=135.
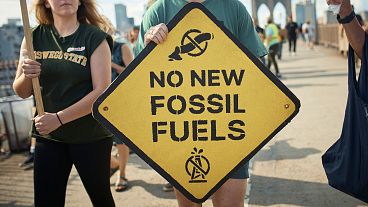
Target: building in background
x=123, y=23
x=120, y=16
x=310, y=12
x=300, y=13
x=11, y=35
x=131, y=21
x=305, y=10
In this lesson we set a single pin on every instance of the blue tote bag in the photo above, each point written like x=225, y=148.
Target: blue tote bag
x=346, y=161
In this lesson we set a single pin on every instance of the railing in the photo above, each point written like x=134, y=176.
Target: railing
x=7, y=74
x=328, y=35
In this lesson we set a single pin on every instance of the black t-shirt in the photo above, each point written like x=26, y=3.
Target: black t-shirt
x=292, y=27
x=66, y=78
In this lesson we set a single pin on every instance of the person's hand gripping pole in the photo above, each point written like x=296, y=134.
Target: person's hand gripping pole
x=28, y=37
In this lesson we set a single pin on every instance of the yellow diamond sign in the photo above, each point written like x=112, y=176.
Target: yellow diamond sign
x=198, y=106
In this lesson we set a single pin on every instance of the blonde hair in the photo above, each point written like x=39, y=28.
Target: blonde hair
x=108, y=27
x=87, y=13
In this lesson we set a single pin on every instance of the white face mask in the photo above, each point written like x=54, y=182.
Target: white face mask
x=335, y=8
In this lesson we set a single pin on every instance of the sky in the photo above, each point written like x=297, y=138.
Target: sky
x=135, y=8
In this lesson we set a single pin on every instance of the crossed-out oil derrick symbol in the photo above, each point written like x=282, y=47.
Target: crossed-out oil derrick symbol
x=197, y=167
x=194, y=43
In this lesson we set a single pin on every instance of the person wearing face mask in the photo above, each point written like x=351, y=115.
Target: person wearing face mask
x=73, y=63
x=235, y=17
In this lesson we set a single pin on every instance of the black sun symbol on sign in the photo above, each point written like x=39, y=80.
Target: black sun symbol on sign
x=194, y=43
x=197, y=167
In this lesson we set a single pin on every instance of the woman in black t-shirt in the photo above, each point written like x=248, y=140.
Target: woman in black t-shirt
x=73, y=63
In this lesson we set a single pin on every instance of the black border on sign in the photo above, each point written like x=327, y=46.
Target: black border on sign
x=178, y=17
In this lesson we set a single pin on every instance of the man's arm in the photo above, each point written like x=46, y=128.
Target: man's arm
x=354, y=32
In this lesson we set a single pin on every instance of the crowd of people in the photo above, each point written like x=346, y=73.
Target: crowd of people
x=67, y=134
x=273, y=36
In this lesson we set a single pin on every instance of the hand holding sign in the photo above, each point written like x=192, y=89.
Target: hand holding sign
x=47, y=123
x=28, y=38
x=157, y=34
x=190, y=113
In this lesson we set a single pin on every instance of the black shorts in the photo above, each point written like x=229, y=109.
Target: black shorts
x=241, y=173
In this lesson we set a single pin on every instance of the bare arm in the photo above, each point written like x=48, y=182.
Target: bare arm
x=354, y=32
x=127, y=54
x=26, y=70
x=101, y=78
x=356, y=36
x=127, y=58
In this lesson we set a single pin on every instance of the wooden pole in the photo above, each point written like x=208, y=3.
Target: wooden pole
x=29, y=41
